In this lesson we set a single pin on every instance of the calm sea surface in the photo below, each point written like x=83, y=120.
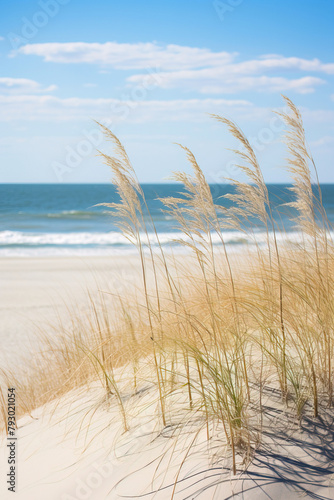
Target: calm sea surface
x=63, y=219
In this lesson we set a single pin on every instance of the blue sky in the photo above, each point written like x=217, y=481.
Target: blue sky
x=152, y=71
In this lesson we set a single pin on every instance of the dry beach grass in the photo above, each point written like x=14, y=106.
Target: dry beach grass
x=223, y=343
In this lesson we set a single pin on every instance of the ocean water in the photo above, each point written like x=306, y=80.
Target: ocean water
x=63, y=219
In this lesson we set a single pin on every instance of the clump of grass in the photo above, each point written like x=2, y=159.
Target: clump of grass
x=217, y=328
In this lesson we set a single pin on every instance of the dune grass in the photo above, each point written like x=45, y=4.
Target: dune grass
x=222, y=329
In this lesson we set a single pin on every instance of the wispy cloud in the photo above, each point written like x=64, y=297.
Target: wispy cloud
x=169, y=57
x=22, y=86
x=50, y=108
x=47, y=108
x=127, y=55
x=225, y=81
x=191, y=68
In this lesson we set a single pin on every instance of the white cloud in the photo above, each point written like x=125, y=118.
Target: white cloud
x=127, y=55
x=51, y=109
x=276, y=61
x=190, y=68
x=226, y=81
x=169, y=57
x=54, y=109
x=22, y=85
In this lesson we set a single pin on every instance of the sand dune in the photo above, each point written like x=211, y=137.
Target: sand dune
x=76, y=449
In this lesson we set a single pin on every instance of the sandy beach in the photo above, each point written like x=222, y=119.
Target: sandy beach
x=34, y=292
x=59, y=462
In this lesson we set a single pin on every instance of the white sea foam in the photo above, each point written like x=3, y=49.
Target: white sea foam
x=11, y=238
x=87, y=243
x=80, y=238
